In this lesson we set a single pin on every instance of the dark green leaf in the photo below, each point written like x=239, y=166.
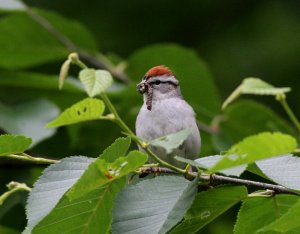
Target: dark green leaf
x=29, y=119
x=287, y=221
x=171, y=141
x=153, y=206
x=209, y=205
x=253, y=148
x=85, y=110
x=254, y=118
x=258, y=212
x=51, y=186
x=14, y=53
x=13, y=144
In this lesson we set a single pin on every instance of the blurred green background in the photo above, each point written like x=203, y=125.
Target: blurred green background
x=210, y=45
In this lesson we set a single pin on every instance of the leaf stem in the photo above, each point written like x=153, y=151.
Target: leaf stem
x=289, y=112
x=28, y=158
x=13, y=187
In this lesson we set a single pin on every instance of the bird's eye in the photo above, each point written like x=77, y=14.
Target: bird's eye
x=157, y=82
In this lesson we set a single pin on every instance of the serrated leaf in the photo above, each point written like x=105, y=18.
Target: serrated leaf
x=13, y=144
x=51, y=186
x=95, y=81
x=258, y=212
x=208, y=205
x=88, y=214
x=210, y=161
x=101, y=172
x=29, y=118
x=256, y=147
x=117, y=149
x=153, y=206
x=254, y=86
x=287, y=222
x=171, y=141
x=85, y=110
x=284, y=170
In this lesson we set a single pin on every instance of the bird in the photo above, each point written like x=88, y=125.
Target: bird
x=164, y=111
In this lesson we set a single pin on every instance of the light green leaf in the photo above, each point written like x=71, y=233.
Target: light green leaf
x=253, y=148
x=95, y=81
x=51, y=186
x=258, y=212
x=153, y=206
x=117, y=149
x=12, y=5
x=171, y=141
x=85, y=110
x=210, y=161
x=254, y=86
x=209, y=205
x=13, y=144
x=101, y=172
x=29, y=119
x=287, y=222
x=284, y=170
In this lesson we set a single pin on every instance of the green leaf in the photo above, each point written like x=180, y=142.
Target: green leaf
x=210, y=161
x=14, y=54
x=287, y=222
x=253, y=148
x=117, y=149
x=101, y=172
x=208, y=205
x=171, y=141
x=74, y=30
x=8, y=230
x=287, y=165
x=254, y=118
x=95, y=81
x=196, y=81
x=85, y=110
x=90, y=213
x=29, y=119
x=254, y=86
x=51, y=186
x=153, y=206
x=13, y=144
x=258, y=212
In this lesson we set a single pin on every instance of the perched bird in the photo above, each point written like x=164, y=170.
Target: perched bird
x=164, y=112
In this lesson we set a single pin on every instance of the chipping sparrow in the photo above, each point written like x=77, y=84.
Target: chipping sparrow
x=164, y=112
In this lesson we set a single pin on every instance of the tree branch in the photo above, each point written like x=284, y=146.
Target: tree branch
x=214, y=177
x=100, y=62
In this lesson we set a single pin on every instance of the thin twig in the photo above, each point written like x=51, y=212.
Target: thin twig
x=29, y=158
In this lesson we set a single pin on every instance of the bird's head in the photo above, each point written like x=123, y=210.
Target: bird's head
x=157, y=84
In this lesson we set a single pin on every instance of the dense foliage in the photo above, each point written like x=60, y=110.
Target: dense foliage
x=65, y=103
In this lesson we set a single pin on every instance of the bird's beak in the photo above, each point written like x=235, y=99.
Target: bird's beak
x=142, y=87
